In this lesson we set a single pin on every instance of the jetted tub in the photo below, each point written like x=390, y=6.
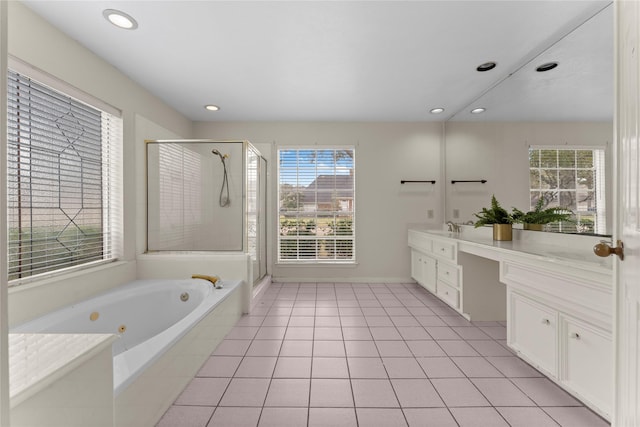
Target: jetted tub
x=151, y=317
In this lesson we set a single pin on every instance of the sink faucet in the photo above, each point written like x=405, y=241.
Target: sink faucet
x=215, y=280
x=451, y=226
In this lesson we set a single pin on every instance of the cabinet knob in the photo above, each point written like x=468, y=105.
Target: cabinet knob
x=575, y=335
x=546, y=321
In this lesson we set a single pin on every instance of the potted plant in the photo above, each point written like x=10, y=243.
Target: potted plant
x=498, y=217
x=535, y=219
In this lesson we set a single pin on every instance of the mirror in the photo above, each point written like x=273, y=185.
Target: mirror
x=569, y=107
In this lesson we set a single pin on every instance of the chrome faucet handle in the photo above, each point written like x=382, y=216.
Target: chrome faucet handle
x=453, y=227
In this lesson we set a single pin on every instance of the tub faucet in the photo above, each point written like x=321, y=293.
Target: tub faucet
x=451, y=226
x=215, y=280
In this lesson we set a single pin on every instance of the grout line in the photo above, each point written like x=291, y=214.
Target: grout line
x=383, y=294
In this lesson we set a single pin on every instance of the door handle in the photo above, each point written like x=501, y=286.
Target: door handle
x=604, y=250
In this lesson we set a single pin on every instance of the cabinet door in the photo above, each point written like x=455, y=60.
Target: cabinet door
x=429, y=273
x=423, y=270
x=416, y=266
x=587, y=362
x=533, y=332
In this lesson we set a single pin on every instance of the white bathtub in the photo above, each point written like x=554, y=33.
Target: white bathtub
x=150, y=318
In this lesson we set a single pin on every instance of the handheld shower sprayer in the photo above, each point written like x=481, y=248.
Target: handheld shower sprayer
x=222, y=156
x=223, y=201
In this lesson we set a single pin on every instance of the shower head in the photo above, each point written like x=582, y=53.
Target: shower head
x=222, y=156
x=214, y=151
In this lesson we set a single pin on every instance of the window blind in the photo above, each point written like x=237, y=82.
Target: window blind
x=316, y=205
x=571, y=179
x=177, y=223
x=64, y=185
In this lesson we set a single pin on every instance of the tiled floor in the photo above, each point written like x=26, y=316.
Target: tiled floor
x=368, y=355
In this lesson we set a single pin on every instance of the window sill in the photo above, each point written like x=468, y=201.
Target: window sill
x=67, y=274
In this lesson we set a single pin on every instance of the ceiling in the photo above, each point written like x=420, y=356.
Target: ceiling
x=357, y=60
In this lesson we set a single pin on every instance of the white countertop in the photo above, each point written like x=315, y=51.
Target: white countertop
x=37, y=360
x=574, y=251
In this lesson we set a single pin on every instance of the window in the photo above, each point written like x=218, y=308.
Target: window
x=316, y=205
x=572, y=179
x=63, y=183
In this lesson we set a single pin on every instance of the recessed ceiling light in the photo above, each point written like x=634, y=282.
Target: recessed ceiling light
x=486, y=66
x=546, y=67
x=120, y=19
x=436, y=110
x=211, y=107
x=478, y=110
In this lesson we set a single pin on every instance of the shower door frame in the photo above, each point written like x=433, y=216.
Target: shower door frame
x=246, y=145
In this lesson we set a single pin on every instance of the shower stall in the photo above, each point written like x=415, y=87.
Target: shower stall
x=207, y=196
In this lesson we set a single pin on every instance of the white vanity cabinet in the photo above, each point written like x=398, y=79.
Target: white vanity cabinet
x=561, y=324
x=433, y=265
x=448, y=273
x=555, y=295
x=438, y=265
x=423, y=270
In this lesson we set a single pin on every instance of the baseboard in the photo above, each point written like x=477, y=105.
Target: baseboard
x=259, y=290
x=336, y=280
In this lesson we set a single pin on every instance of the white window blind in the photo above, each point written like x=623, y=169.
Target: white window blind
x=316, y=205
x=571, y=179
x=64, y=183
x=176, y=224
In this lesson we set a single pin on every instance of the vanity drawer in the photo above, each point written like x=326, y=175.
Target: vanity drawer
x=419, y=241
x=445, y=250
x=448, y=273
x=448, y=294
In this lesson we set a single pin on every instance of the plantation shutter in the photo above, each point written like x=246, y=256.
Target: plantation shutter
x=316, y=194
x=64, y=180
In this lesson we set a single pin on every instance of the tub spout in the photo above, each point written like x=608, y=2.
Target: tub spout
x=215, y=280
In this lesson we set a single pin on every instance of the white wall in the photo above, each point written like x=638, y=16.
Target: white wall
x=385, y=154
x=498, y=152
x=33, y=40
